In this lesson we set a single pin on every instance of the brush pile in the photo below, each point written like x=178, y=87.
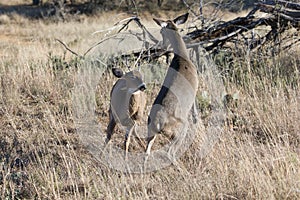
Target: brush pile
x=270, y=23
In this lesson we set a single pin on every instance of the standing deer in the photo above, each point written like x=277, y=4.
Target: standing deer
x=177, y=95
x=127, y=103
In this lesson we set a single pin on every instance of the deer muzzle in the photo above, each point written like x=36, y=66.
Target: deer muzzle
x=142, y=87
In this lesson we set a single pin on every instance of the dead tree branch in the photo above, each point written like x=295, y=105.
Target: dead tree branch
x=214, y=35
x=282, y=16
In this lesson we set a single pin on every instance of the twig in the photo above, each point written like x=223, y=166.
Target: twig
x=66, y=47
x=189, y=7
x=126, y=24
x=105, y=39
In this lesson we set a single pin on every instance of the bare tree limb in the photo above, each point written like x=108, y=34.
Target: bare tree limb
x=214, y=35
x=286, y=4
x=67, y=48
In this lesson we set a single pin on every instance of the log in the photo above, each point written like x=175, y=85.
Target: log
x=289, y=15
x=286, y=4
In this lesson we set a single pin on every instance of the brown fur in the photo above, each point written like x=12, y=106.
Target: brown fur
x=170, y=109
x=127, y=103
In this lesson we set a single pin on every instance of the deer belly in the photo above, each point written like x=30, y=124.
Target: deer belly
x=185, y=96
x=120, y=110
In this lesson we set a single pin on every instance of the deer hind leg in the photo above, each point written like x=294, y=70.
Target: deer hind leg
x=150, y=141
x=110, y=128
x=136, y=135
x=178, y=141
x=129, y=131
x=194, y=113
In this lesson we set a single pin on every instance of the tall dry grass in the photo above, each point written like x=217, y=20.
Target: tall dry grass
x=41, y=157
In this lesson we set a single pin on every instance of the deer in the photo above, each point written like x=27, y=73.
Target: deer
x=177, y=95
x=127, y=103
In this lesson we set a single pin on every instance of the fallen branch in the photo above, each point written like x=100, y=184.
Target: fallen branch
x=220, y=34
x=282, y=16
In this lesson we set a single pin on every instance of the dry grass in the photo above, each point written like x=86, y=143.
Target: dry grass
x=41, y=155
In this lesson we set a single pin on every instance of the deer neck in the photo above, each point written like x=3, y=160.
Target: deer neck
x=178, y=46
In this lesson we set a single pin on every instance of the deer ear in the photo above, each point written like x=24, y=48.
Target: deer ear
x=160, y=22
x=117, y=72
x=181, y=19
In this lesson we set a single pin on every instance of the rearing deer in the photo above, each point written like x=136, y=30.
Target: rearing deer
x=127, y=103
x=177, y=95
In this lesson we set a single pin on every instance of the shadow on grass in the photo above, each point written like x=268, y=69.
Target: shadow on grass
x=42, y=11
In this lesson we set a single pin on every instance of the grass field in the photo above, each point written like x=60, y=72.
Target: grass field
x=42, y=157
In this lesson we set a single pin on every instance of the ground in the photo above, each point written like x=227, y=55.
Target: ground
x=42, y=156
